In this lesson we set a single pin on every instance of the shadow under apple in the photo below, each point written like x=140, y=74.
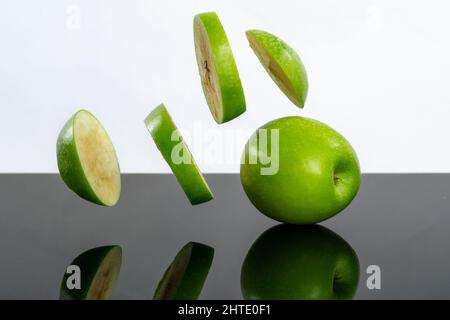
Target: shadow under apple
x=295, y=262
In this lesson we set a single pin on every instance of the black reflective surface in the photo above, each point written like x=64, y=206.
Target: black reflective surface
x=398, y=222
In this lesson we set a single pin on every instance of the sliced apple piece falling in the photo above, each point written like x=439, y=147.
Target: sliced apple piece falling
x=186, y=275
x=98, y=270
x=282, y=63
x=218, y=72
x=87, y=160
x=177, y=155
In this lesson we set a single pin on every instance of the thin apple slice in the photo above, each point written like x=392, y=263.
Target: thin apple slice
x=218, y=72
x=282, y=63
x=176, y=153
x=87, y=160
x=186, y=275
x=99, y=270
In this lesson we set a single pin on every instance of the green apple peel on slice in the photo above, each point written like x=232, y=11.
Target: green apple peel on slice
x=219, y=75
x=185, y=277
x=177, y=155
x=99, y=270
x=87, y=160
x=282, y=63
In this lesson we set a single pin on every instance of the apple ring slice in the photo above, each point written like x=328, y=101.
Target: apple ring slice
x=177, y=155
x=186, y=275
x=218, y=72
x=282, y=63
x=87, y=160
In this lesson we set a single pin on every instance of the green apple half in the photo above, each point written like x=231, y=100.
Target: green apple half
x=99, y=268
x=300, y=263
x=177, y=155
x=282, y=63
x=186, y=275
x=315, y=171
x=218, y=72
x=87, y=160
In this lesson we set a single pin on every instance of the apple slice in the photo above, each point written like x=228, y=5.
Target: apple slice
x=186, y=275
x=99, y=270
x=218, y=72
x=282, y=63
x=177, y=155
x=87, y=160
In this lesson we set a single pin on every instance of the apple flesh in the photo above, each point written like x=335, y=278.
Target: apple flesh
x=317, y=172
x=87, y=160
x=282, y=63
x=217, y=68
x=300, y=263
x=99, y=270
x=186, y=275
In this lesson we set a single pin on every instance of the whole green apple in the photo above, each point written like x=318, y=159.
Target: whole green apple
x=299, y=170
x=294, y=262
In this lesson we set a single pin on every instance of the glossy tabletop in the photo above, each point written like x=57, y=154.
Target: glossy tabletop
x=399, y=222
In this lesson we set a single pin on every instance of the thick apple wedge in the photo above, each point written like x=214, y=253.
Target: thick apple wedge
x=282, y=63
x=186, y=275
x=219, y=75
x=98, y=270
x=177, y=155
x=87, y=160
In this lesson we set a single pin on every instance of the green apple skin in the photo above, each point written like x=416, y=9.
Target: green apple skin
x=318, y=174
x=282, y=63
x=161, y=127
x=89, y=263
x=193, y=275
x=295, y=262
x=69, y=163
x=226, y=75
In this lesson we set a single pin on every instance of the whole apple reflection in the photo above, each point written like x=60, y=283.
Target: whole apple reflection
x=295, y=262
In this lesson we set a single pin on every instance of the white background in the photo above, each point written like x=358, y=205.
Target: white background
x=379, y=73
